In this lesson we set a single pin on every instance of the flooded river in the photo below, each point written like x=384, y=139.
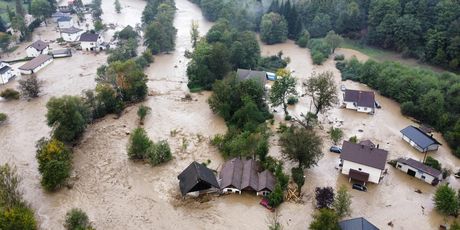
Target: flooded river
x=119, y=194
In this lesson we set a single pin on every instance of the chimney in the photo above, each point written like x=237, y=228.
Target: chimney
x=431, y=135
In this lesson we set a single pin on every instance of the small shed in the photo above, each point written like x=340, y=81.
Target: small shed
x=37, y=48
x=196, y=177
x=36, y=64
x=357, y=224
x=419, y=170
x=419, y=139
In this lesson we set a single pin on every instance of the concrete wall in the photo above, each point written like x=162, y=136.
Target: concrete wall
x=418, y=174
x=374, y=174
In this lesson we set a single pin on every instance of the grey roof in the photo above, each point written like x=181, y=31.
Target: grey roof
x=244, y=175
x=36, y=62
x=368, y=143
x=420, y=166
x=419, y=137
x=70, y=30
x=246, y=74
x=64, y=19
x=38, y=45
x=231, y=173
x=4, y=69
x=89, y=37
x=266, y=181
x=363, y=154
x=196, y=177
x=250, y=179
x=357, y=224
x=361, y=98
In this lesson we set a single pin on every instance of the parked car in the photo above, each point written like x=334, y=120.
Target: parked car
x=343, y=88
x=264, y=202
x=359, y=187
x=271, y=76
x=377, y=105
x=335, y=149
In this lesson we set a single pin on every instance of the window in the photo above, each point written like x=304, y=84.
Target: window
x=423, y=177
x=399, y=166
x=360, y=169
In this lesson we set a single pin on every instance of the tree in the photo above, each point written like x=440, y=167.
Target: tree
x=30, y=86
x=323, y=91
x=128, y=78
x=301, y=145
x=455, y=226
x=353, y=139
x=5, y=40
x=298, y=177
x=10, y=195
x=117, y=6
x=76, y=219
x=98, y=25
x=159, y=153
x=139, y=144
x=194, y=33
x=430, y=161
x=273, y=28
x=68, y=115
x=283, y=87
x=333, y=40
x=9, y=94
x=275, y=198
x=54, y=163
x=342, y=202
x=336, y=134
x=446, y=200
x=17, y=217
x=325, y=219
x=303, y=39
x=142, y=113
x=19, y=9
x=320, y=25
x=324, y=197
x=41, y=9
x=3, y=117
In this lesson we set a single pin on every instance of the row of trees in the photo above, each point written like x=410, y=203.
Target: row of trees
x=160, y=33
x=433, y=98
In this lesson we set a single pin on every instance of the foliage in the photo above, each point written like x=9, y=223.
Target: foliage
x=303, y=39
x=160, y=34
x=76, y=219
x=333, y=40
x=342, y=202
x=275, y=198
x=5, y=40
x=117, y=6
x=9, y=94
x=292, y=100
x=30, y=86
x=325, y=219
x=339, y=57
x=323, y=91
x=98, y=25
x=430, y=161
x=283, y=87
x=96, y=9
x=353, y=139
x=142, y=112
x=324, y=197
x=139, y=144
x=273, y=28
x=194, y=33
x=125, y=50
x=54, y=163
x=159, y=153
x=17, y=217
x=3, y=117
x=274, y=62
x=336, y=134
x=41, y=9
x=127, y=33
x=320, y=50
x=446, y=200
x=301, y=145
x=298, y=177
x=68, y=115
x=455, y=226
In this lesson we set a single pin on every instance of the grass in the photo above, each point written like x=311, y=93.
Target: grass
x=365, y=49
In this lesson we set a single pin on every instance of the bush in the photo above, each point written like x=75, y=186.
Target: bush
x=9, y=94
x=275, y=198
x=142, y=113
x=76, y=219
x=336, y=134
x=298, y=177
x=54, y=163
x=139, y=144
x=292, y=100
x=159, y=153
x=342, y=202
x=325, y=219
x=30, y=86
x=320, y=50
x=430, y=161
x=303, y=39
x=17, y=217
x=339, y=57
x=324, y=197
x=446, y=200
x=3, y=117
x=353, y=139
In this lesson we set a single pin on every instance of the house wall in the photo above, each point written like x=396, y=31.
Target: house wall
x=365, y=109
x=418, y=174
x=433, y=147
x=263, y=193
x=43, y=65
x=231, y=190
x=5, y=77
x=374, y=173
x=350, y=105
x=71, y=37
x=412, y=143
x=65, y=24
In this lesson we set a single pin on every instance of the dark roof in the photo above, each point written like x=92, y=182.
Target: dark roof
x=89, y=37
x=363, y=154
x=250, y=179
x=231, y=173
x=357, y=224
x=196, y=177
x=38, y=45
x=4, y=69
x=367, y=143
x=266, y=181
x=420, y=166
x=358, y=175
x=64, y=19
x=246, y=74
x=419, y=137
x=243, y=175
x=361, y=98
x=37, y=61
x=70, y=30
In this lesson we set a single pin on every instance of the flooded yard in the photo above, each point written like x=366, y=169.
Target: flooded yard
x=117, y=193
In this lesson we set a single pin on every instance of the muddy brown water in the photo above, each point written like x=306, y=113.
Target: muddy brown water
x=120, y=194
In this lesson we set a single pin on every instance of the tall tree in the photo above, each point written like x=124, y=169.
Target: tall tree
x=446, y=200
x=117, y=6
x=273, y=28
x=283, y=87
x=194, y=33
x=323, y=91
x=325, y=219
x=333, y=40
x=19, y=8
x=41, y=9
x=301, y=145
x=342, y=202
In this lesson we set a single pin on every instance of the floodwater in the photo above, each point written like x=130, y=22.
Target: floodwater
x=117, y=193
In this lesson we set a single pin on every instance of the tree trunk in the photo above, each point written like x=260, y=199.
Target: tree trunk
x=285, y=109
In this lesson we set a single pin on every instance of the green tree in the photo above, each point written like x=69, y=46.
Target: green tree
x=3, y=117
x=19, y=9
x=353, y=139
x=139, y=144
x=194, y=33
x=275, y=198
x=321, y=24
x=323, y=91
x=117, y=6
x=68, y=115
x=10, y=94
x=430, y=161
x=41, y=9
x=446, y=200
x=325, y=219
x=298, y=177
x=283, y=87
x=342, y=202
x=30, y=86
x=98, y=25
x=10, y=196
x=128, y=78
x=301, y=145
x=273, y=28
x=17, y=217
x=336, y=134
x=76, y=219
x=303, y=39
x=333, y=40
x=142, y=113
x=5, y=40
x=159, y=153
x=54, y=163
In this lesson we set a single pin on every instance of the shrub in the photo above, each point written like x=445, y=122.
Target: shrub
x=446, y=200
x=324, y=197
x=17, y=217
x=298, y=177
x=303, y=39
x=336, y=134
x=325, y=219
x=342, y=202
x=139, y=144
x=287, y=117
x=142, y=113
x=76, y=219
x=54, y=163
x=3, y=117
x=275, y=198
x=339, y=57
x=159, y=153
x=430, y=161
x=353, y=139
x=30, y=86
x=292, y=100
x=9, y=94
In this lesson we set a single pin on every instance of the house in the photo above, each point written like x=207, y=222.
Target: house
x=34, y=65
x=419, y=170
x=57, y=15
x=419, y=139
x=61, y=53
x=91, y=42
x=196, y=178
x=71, y=34
x=37, y=48
x=6, y=73
x=65, y=22
x=363, y=163
x=246, y=74
x=361, y=101
x=357, y=224
x=244, y=175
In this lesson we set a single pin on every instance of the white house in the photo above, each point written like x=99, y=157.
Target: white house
x=419, y=170
x=6, y=73
x=419, y=139
x=361, y=101
x=91, y=42
x=363, y=163
x=36, y=64
x=71, y=34
x=37, y=48
x=65, y=22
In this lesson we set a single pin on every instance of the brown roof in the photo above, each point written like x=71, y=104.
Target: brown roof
x=243, y=175
x=250, y=179
x=36, y=62
x=420, y=166
x=364, y=155
x=231, y=173
x=367, y=143
x=38, y=45
x=359, y=176
x=361, y=98
x=266, y=181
